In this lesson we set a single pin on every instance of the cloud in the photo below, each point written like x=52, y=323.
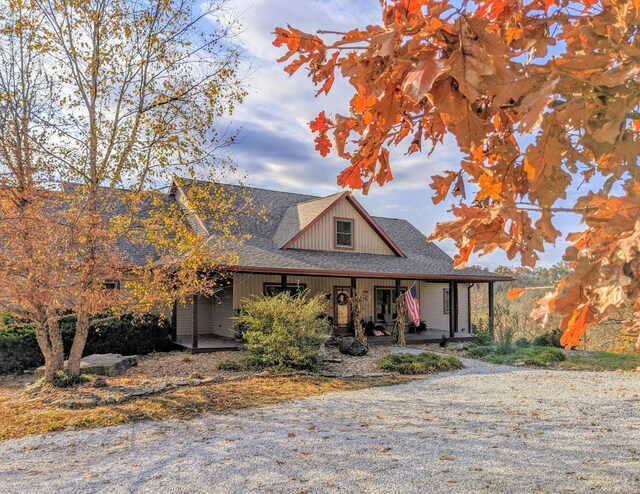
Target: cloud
x=277, y=146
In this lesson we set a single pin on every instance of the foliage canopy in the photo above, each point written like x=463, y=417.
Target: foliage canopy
x=541, y=96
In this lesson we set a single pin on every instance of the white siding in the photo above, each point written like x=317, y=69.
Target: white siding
x=321, y=236
x=463, y=308
x=253, y=284
x=213, y=315
x=431, y=305
x=222, y=312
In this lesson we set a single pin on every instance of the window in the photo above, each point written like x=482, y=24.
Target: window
x=111, y=285
x=271, y=289
x=344, y=234
x=384, y=302
x=445, y=302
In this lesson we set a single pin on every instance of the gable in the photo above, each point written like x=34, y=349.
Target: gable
x=321, y=234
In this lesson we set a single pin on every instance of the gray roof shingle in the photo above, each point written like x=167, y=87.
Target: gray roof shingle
x=287, y=213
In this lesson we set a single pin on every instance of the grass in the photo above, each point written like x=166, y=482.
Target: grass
x=602, y=361
x=536, y=356
x=22, y=418
x=423, y=363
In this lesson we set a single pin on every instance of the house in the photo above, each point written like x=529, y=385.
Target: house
x=334, y=246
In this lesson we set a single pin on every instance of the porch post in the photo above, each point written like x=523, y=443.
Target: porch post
x=283, y=282
x=174, y=321
x=353, y=286
x=194, y=323
x=455, y=307
x=469, y=286
x=397, y=290
x=491, y=317
x=452, y=311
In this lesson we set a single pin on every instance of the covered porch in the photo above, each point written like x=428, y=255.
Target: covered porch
x=206, y=324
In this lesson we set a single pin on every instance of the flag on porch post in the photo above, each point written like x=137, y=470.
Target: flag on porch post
x=413, y=305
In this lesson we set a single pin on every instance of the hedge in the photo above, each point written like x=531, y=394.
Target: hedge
x=127, y=335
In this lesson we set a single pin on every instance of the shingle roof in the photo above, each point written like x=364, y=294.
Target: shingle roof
x=287, y=212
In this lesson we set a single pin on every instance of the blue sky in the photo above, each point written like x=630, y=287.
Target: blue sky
x=277, y=148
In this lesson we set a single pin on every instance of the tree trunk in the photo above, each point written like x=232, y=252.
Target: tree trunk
x=50, y=343
x=79, y=341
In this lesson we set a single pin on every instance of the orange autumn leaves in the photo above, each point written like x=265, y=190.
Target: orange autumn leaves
x=531, y=124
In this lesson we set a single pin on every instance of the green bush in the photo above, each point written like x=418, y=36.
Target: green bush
x=543, y=356
x=62, y=379
x=127, y=335
x=481, y=351
x=535, y=355
x=522, y=343
x=284, y=331
x=548, y=339
x=504, y=339
x=238, y=363
x=423, y=363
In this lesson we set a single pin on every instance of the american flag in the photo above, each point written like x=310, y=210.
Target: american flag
x=413, y=306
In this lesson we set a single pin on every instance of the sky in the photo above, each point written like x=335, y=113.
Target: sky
x=276, y=148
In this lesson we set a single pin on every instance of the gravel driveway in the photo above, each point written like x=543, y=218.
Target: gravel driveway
x=483, y=429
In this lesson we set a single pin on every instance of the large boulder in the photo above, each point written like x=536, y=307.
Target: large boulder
x=350, y=346
x=102, y=364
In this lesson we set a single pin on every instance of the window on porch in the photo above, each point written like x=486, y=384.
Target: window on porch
x=272, y=289
x=384, y=302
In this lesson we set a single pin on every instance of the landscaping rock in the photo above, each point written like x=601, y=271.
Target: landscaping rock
x=333, y=341
x=351, y=346
x=195, y=375
x=106, y=364
x=372, y=374
x=460, y=347
x=33, y=389
x=99, y=382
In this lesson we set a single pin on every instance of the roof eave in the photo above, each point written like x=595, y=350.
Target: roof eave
x=366, y=274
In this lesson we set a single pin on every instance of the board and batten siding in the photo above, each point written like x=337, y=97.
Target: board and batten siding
x=321, y=236
x=246, y=285
x=432, y=306
x=215, y=315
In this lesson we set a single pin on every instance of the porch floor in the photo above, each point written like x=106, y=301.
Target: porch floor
x=429, y=336
x=209, y=343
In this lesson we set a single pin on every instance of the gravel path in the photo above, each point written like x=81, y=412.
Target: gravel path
x=483, y=429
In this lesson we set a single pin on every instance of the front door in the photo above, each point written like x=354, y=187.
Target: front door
x=341, y=309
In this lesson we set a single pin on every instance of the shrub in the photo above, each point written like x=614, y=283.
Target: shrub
x=535, y=356
x=480, y=351
x=284, y=331
x=63, y=380
x=127, y=335
x=548, y=339
x=423, y=363
x=238, y=363
x=130, y=335
x=505, y=339
x=482, y=333
x=522, y=343
x=544, y=356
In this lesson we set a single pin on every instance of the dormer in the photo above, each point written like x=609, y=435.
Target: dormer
x=333, y=223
